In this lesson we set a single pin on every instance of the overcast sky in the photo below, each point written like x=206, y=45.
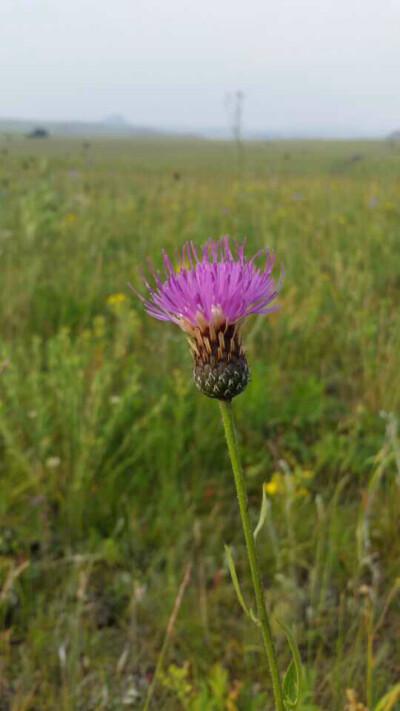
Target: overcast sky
x=328, y=66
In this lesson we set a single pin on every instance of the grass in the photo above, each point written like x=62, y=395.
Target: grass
x=113, y=469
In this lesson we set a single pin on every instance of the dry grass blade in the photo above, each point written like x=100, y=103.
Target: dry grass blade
x=168, y=633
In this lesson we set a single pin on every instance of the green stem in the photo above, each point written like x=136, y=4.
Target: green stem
x=230, y=434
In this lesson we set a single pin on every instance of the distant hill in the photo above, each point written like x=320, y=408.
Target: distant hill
x=114, y=125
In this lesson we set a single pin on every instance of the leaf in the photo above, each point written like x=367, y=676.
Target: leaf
x=235, y=581
x=293, y=679
x=263, y=514
x=289, y=686
x=387, y=702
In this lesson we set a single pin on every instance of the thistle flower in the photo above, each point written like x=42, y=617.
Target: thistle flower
x=209, y=295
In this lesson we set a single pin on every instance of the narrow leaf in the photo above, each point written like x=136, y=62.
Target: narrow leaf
x=293, y=680
x=263, y=514
x=289, y=687
x=235, y=581
x=388, y=701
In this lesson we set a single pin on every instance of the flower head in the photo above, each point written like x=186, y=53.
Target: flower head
x=208, y=294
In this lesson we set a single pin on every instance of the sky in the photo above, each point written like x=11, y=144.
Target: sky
x=323, y=67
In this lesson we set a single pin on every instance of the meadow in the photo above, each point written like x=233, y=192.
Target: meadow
x=114, y=475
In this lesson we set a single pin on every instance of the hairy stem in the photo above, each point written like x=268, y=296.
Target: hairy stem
x=230, y=434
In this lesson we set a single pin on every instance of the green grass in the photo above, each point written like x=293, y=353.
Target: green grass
x=113, y=468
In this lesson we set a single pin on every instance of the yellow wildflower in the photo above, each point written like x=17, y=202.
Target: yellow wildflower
x=389, y=206
x=305, y=474
x=275, y=485
x=271, y=488
x=353, y=703
x=301, y=491
x=116, y=299
x=184, y=264
x=233, y=696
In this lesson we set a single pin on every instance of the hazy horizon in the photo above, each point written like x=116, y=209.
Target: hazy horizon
x=202, y=131
x=311, y=69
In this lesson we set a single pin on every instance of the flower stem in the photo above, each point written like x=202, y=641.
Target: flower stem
x=231, y=439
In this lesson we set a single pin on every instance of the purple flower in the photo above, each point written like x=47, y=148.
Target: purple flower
x=214, y=287
x=209, y=294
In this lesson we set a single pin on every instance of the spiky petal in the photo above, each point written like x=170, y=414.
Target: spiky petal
x=209, y=294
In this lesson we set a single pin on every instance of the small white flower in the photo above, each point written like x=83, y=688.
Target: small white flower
x=53, y=462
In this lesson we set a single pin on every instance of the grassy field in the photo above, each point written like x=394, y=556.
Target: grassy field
x=113, y=470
